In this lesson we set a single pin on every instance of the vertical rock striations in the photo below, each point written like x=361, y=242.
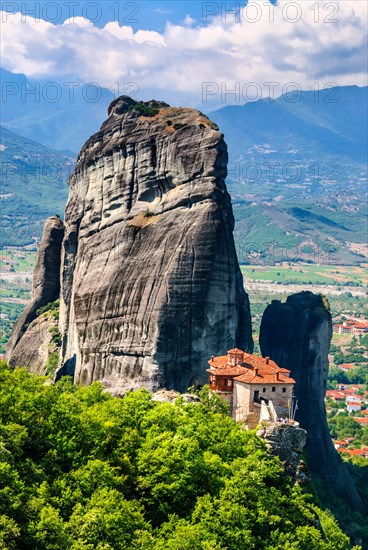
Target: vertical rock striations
x=26, y=346
x=297, y=335
x=151, y=284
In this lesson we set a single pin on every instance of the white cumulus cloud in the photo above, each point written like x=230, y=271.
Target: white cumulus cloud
x=282, y=44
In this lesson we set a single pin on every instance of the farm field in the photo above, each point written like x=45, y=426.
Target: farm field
x=345, y=287
x=16, y=265
x=14, y=259
x=309, y=274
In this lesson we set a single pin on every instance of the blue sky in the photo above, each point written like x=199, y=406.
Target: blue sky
x=140, y=14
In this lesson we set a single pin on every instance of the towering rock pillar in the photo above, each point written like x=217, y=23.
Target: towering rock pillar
x=150, y=281
x=297, y=335
x=151, y=285
x=23, y=348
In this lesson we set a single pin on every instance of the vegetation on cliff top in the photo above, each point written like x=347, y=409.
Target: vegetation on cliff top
x=144, y=109
x=81, y=470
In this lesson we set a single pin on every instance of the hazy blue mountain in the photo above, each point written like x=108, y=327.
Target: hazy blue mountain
x=297, y=166
x=33, y=187
x=333, y=121
x=60, y=113
x=297, y=174
x=63, y=112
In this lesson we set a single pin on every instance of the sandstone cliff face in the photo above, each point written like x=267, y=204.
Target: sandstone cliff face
x=297, y=335
x=151, y=285
x=28, y=343
x=35, y=346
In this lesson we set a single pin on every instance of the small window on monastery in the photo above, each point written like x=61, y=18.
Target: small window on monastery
x=273, y=388
x=283, y=390
x=229, y=382
x=264, y=390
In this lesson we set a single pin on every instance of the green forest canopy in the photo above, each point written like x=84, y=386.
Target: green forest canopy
x=80, y=470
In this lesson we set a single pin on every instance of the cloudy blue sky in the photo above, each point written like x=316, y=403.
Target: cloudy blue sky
x=188, y=49
x=140, y=14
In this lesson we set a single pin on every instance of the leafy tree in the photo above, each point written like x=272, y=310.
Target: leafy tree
x=108, y=521
x=336, y=376
x=9, y=533
x=339, y=358
x=363, y=340
x=344, y=425
x=80, y=470
x=357, y=375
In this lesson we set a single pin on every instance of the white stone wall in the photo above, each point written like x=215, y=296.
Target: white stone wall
x=243, y=397
x=241, y=401
x=265, y=413
x=278, y=397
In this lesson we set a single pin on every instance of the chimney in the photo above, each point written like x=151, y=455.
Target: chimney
x=267, y=360
x=256, y=370
x=212, y=358
x=276, y=376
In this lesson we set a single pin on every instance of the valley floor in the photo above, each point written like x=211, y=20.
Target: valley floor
x=274, y=287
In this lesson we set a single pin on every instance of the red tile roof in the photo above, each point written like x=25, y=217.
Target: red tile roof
x=361, y=420
x=228, y=370
x=219, y=362
x=252, y=370
x=265, y=378
x=352, y=323
x=335, y=394
x=359, y=324
x=356, y=452
x=249, y=361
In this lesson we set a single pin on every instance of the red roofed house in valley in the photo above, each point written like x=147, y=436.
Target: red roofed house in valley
x=351, y=327
x=249, y=383
x=336, y=395
x=356, y=452
x=346, y=366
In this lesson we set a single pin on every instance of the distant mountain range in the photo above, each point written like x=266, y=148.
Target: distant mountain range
x=297, y=166
x=60, y=114
x=298, y=175
x=33, y=187
x=63, y=112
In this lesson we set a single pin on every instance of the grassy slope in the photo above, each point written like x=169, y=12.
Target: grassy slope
x=33, y=187
x=297, y=174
